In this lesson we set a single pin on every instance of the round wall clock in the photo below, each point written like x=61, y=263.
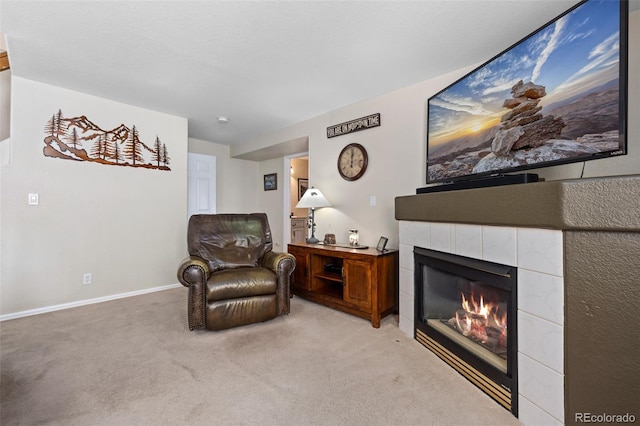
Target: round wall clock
x=352, y=161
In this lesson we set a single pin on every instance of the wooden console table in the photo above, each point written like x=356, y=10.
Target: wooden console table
x=362, y=282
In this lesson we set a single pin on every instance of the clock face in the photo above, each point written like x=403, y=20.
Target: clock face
x=352, y=161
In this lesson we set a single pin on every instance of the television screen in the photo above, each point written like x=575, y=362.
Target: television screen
x=557, y=96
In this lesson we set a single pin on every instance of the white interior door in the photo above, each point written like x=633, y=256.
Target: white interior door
x=202, y=184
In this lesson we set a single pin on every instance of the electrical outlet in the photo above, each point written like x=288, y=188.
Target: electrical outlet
x=86, y=278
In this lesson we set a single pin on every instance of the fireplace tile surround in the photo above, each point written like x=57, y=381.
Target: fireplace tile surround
x=538, y=255
x=575, y=244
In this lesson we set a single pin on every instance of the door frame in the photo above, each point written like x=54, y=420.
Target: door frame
x=286, y=195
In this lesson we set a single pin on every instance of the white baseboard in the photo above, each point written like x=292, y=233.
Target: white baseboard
x=85, y=302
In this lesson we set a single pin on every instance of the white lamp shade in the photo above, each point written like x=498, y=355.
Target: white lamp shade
x=312, y=199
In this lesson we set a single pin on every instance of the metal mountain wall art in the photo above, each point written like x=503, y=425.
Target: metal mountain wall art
x=79, y=139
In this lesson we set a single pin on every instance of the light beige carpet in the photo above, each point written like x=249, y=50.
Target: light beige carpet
x=134, y=362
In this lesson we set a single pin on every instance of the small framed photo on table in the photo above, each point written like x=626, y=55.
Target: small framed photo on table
x=382, y=244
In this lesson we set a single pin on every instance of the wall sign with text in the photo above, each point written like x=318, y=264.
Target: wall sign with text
x=356, y=125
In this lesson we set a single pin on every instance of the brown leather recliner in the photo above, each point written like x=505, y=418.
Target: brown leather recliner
x=234, y=277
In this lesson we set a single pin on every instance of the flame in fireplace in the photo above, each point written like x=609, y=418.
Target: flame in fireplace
x=481, y=321
x=480, y=309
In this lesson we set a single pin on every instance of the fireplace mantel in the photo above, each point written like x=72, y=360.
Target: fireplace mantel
x=599, y=223
x=603, y=204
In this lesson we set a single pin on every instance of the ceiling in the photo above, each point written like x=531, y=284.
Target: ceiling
x=262, y=64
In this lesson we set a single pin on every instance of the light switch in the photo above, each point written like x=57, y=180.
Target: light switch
x=372, y=200
x=34, y=200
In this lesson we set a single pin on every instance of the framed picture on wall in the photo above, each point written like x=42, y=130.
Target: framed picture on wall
x=303, y=185
x=271, y=182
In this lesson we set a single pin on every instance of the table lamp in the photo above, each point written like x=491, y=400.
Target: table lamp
x=313, y=199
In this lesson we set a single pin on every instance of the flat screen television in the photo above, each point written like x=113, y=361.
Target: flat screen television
x=557, y=96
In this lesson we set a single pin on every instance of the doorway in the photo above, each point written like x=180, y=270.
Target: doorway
x=297, y=168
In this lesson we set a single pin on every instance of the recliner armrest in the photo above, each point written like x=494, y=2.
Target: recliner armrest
x=277, y=262
x=283, y=264
x=193, y=270
x=194, y=273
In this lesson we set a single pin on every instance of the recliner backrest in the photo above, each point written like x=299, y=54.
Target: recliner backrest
x=228, y=241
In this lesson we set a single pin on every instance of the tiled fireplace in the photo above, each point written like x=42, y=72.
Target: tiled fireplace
x=537, y=253
x=575, y=245
x=465, y=313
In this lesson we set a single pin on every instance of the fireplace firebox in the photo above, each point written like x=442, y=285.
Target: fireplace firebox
x=466, y=312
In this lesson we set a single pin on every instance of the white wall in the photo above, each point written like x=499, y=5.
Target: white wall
x=240, y=186
x=396, y=160
x=397, y=153
x=124, y=225
x=237, y=181
x=271, y=202
x=5, y=96
x=104, y=219
x=5, y=103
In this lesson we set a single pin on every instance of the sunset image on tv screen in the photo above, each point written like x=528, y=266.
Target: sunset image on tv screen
x=553, y=97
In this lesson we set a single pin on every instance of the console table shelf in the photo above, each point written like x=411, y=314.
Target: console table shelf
x=362, y=282
x=330, y=277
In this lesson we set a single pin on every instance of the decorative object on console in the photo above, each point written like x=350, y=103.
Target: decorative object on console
x=566, y=104
x=353, y=237
x=313, y=199
x=271, y=182
x=358, y=124
x=352, y=161
x=329, y=238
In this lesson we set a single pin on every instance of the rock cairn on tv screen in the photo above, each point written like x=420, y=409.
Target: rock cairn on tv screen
x=524, y=126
